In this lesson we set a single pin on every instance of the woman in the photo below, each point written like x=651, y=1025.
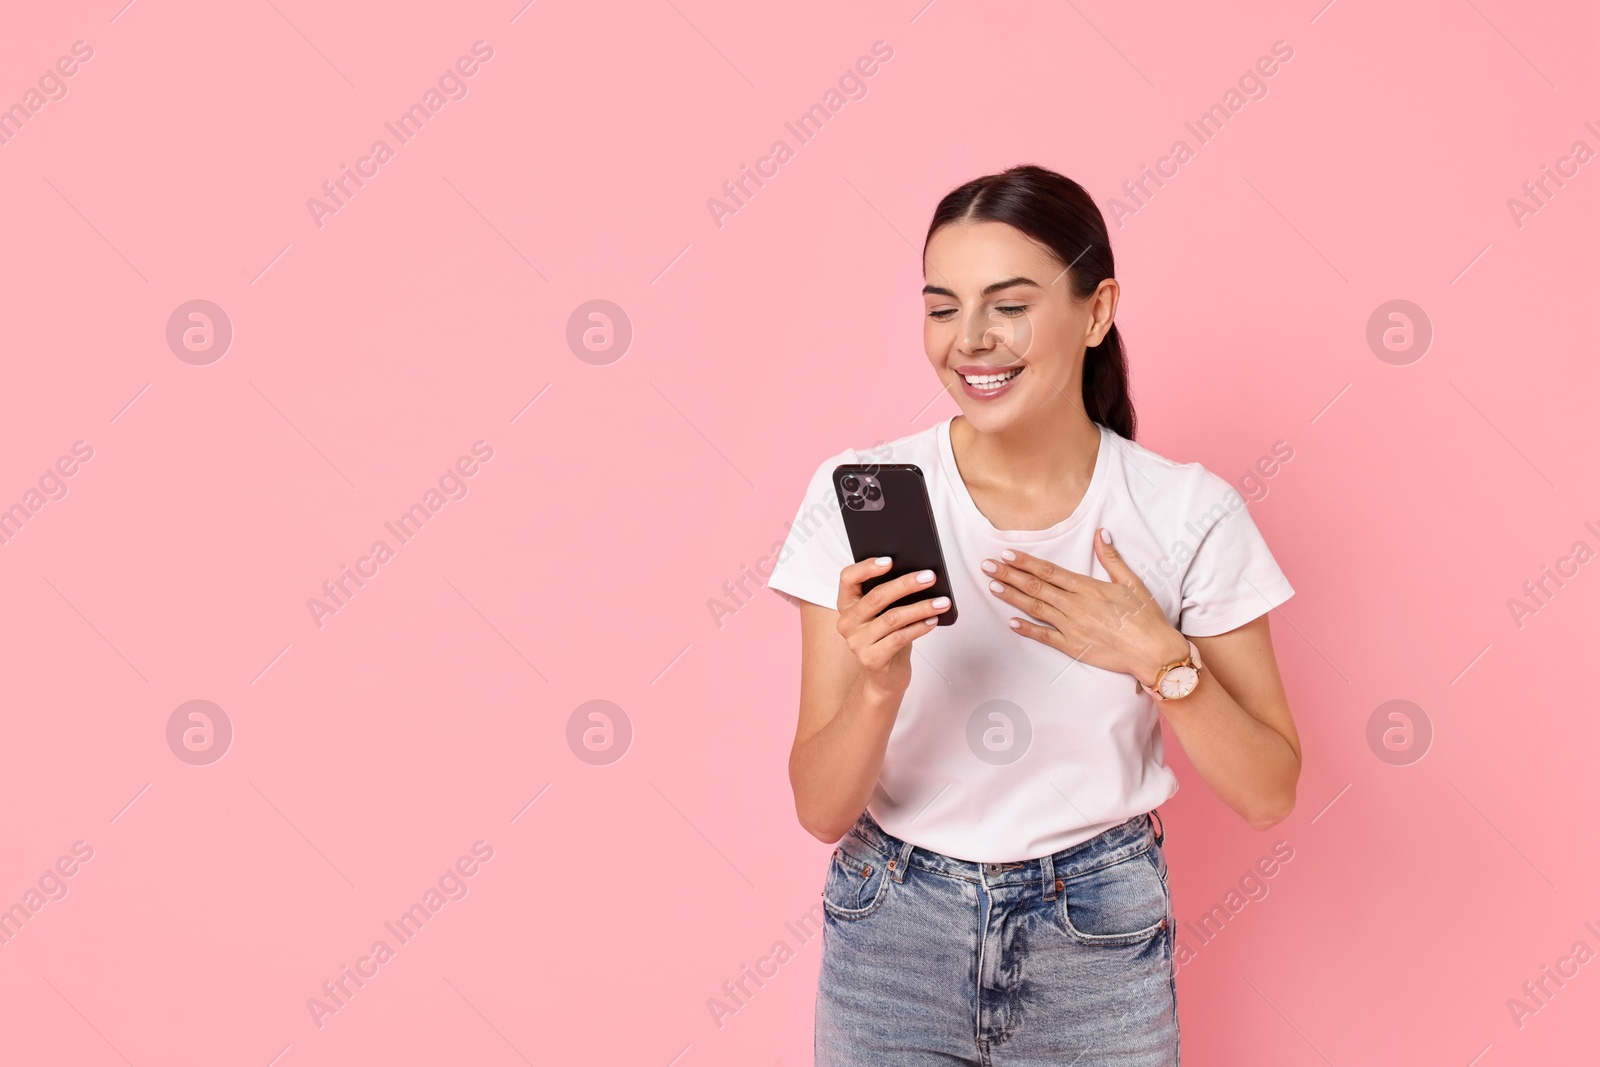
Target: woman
x=998, y=891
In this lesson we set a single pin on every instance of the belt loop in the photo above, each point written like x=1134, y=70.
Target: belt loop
x=898, y=865
x=1047, y=873
x=1161, y=829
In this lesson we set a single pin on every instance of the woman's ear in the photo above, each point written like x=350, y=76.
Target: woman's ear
x=1102, y=311
x=1097, y=332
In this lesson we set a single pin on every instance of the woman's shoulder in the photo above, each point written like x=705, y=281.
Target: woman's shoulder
x=1164, y=481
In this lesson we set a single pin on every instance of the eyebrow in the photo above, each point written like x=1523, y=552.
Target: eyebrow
x=934, y=290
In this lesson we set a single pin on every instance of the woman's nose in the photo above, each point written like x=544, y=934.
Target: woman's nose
x=980, y=332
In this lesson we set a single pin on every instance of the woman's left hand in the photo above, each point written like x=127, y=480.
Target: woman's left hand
x=1116, y=625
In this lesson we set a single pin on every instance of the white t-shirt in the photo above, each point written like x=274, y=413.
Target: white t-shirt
x=1006, y=749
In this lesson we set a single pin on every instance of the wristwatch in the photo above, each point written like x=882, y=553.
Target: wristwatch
x=1176, y=680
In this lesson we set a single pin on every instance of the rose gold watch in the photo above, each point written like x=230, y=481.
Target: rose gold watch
x=1177, y=680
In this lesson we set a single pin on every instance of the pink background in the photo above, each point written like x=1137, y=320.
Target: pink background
x=371, y=752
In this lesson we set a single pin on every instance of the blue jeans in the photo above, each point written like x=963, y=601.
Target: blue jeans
x=1065, y=959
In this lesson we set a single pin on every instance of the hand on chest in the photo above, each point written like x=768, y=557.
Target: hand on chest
x=983, y=645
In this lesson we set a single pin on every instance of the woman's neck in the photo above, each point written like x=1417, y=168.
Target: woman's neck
x=1052, y=452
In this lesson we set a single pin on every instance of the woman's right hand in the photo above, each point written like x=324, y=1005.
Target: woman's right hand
x=882, y=642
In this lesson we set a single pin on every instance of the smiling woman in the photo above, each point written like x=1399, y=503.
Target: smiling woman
x=1006, y=788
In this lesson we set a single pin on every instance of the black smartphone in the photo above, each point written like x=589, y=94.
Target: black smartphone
x=887, y=513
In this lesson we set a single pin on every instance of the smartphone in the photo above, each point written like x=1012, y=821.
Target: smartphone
x=887, y=513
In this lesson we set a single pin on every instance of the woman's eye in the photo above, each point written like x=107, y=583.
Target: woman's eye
x=1013, y=310
x=941, y=314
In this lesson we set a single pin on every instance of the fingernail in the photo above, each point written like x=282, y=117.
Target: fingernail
x=1008, y=555
x=882, y=561
x=1105, y=535
x=997, y=587
x=941, y=601
x=924, y=576
x=1016, y=624
x=931, y=621
x=991, y=566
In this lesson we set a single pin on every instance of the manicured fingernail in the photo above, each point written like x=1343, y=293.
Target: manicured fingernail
x=882, y=561
x=941, y=601
x=1008, y=555
x=924, y=577
x=931, y=621
x=991, y=566
x=997, y=587
x=1105, y=535
x=1016, y=624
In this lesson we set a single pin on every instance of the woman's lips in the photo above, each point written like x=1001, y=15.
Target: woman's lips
x=990, y=389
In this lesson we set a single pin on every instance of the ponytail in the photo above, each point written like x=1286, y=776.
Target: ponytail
x=1105, y=385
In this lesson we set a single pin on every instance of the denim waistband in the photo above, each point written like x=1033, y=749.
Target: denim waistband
x=1120, y=842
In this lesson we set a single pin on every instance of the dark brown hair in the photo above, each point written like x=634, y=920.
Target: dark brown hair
x=1058, y=213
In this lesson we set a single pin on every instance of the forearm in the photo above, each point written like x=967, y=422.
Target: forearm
x=834, y=771
x=1247, y=763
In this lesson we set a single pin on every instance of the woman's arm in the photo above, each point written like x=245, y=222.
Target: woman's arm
x=855, y=666
x=843, y=730
x=1236, y=728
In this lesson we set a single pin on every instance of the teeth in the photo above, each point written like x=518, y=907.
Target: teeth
x=986, y=381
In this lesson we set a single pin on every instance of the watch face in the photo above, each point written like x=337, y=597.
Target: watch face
x=1179, y=682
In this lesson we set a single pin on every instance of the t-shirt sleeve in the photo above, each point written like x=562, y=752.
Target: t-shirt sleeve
x=1232, y=577
x=817, y=547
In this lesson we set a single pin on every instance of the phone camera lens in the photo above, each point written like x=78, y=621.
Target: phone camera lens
x=851, y=483
x=872, y=492
x=853, y=502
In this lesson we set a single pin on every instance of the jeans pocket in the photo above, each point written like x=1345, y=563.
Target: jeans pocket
x=858, y=879
x=1122, y=903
